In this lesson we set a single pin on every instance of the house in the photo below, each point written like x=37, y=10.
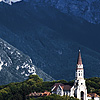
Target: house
x=36, y=95
x=46, y=93
x=93, y=96
x=78, y=90
x=61, y=89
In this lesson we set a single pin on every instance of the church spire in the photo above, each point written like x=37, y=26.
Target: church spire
x=79, y=60
x=79, y=84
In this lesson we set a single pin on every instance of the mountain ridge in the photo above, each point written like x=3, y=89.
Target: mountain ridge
x=45, y=34
x=86, y=9
x=15, y=66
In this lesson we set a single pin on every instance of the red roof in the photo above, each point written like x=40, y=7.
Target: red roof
x=46, y=93
x=79, y=60
x=39, y=94
x=92, y=95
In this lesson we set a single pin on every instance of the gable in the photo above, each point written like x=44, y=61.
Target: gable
x=61, y=86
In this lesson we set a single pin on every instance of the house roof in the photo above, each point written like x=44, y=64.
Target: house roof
x=39, y=94
x=64, y=87
x=57, y=84
x=46, y=93
x=35, y=94
x=92, y=95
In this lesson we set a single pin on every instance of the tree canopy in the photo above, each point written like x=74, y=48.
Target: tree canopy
x=19, y=90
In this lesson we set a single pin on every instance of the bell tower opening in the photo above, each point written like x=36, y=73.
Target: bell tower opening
x=82, y=95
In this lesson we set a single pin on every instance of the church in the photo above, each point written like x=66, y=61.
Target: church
x=79, y=89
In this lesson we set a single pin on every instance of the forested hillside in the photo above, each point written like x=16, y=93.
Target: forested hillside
x=19, y=90
x=50, y=38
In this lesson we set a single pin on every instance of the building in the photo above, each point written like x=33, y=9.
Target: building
x=36, y=95
x=78, y=90
x=93, y=96
x=61, y=89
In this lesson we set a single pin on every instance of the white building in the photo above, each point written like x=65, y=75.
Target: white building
x=61, y=89
x=93, y=96
x=79, y=89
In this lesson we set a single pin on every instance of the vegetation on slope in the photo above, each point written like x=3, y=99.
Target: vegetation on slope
x=54, y=97
x=93, y=85
x=19, y=90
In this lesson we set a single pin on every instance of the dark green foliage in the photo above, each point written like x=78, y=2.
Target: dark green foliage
x=54, y=97
x=71, y=82
x=93, y=85
x=62, y=81
x=19, y=90
x=35, y=78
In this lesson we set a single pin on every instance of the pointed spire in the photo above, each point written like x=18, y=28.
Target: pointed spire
x=79, y=60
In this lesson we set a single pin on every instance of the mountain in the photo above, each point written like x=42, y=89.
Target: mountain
x=16, y=66
x=45, y=34
x=9, y=1
x=86, y=9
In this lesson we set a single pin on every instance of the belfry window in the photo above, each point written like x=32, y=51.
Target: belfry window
x=79, y=74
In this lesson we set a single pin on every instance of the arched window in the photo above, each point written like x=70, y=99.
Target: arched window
x=79, y=74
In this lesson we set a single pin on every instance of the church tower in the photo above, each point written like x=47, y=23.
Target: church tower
x=80, y=90
x=79, y=74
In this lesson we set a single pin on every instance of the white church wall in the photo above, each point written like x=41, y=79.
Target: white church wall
x=95, y=98
x=89, y=98
x=60, y=91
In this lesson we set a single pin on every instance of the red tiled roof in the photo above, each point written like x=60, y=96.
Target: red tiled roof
x=46, y=93
x=92, y=95
x=35, y=94
x=39, y=94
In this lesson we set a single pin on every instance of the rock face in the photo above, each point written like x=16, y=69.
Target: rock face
x=45, y=34
x=86, y=9
x=16, y=66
